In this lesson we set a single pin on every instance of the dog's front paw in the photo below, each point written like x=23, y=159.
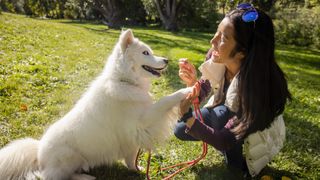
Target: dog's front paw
x=182, y=93
x=186, y=91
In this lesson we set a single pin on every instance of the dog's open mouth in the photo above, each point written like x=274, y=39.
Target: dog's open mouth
x=154, y=71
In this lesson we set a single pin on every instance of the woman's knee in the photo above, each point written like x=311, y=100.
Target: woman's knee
x=179, y=132
x=220, y=115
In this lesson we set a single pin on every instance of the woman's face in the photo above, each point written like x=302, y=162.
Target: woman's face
x=223, y=43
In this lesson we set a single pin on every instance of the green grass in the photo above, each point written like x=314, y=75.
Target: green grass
x=45, y=66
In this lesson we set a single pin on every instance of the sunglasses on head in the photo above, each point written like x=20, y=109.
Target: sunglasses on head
x=250, y=13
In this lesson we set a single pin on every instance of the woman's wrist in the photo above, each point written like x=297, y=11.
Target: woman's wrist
x=190, y=122
x=188, y=118
x=186, y=115
x=192, y=83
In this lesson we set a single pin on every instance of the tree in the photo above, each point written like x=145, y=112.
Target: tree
x=198, y=14
x=183, y=13
x=77, y=9
x=111, y=11
x=116, y=13
x=168, y=11
x=265, y=5
x=42, y=8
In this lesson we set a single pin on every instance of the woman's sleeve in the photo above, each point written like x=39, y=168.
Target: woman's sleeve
x=222, y=139
x=205, y=89
x=205, y=84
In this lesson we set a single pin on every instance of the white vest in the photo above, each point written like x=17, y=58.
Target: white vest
x=259, y=147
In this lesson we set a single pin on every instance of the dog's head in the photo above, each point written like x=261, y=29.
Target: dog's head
x=140, y=56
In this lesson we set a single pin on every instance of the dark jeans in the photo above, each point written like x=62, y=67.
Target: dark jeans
x=216, y=118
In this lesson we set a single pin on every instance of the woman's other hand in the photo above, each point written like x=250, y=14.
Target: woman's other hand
x=187, y=72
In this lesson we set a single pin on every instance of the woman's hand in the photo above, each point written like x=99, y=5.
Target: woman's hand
x=187, y=102
x=187, y=72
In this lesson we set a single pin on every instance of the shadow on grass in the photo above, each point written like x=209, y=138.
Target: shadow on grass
x=299, y=59
x=221, y=172
x=302, y=144
x=94, y=26
x=302, y=50
x=116, y=172
x=157, y=41
x=215, y=171
x=276, y=174
x=302, y=140
x=99, y=27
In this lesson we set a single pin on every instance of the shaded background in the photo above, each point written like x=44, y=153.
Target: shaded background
x=297, y=22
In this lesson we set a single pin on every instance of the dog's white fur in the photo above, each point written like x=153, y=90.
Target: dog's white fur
x=114, y=118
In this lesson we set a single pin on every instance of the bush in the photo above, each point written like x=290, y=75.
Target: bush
x=38, y=8
x=298, y=26
x=200, y=14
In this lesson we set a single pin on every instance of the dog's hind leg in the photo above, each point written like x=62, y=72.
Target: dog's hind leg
x=60, y=163
x=130, y=159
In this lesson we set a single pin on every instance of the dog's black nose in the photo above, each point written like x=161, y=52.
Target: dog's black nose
x=166, y=61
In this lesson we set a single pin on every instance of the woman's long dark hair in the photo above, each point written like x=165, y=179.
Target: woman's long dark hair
x=263, y=89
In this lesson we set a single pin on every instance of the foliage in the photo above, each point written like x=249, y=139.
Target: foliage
x=189, y=14
x=45, y=66
x=40, y=8
x=298, y=26
x=12, y=5
x=79, y=9
x=115, y=13
x=200, y=14
x=265, y=5
x=295, y=3
x=150, y=8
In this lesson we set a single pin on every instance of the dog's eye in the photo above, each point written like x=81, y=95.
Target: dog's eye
x=145, y=53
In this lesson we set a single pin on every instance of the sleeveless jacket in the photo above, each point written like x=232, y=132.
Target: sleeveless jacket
x=259, y=147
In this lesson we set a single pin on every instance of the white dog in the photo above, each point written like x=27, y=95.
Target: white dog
x=114, y=118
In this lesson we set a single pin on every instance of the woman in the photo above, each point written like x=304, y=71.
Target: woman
x=250, y=91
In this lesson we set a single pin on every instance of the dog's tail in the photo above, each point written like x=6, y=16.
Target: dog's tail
x=18, y=159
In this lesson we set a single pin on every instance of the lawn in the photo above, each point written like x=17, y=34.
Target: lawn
x=45, y=66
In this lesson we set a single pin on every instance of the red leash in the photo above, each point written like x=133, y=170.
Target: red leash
x=186, y=164
x=148, y=162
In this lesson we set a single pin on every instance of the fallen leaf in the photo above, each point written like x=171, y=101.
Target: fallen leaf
x=23, y=107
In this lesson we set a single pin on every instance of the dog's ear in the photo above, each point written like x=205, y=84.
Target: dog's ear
x=126, y=38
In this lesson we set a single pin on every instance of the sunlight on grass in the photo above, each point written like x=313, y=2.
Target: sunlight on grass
x=177, y=53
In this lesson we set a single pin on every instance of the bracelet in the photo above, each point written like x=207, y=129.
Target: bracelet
x=186, y=115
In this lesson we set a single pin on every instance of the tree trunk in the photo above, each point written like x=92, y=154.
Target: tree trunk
x=168, y=12
x=111, y=12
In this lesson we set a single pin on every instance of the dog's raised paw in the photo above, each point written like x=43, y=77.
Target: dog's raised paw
x=186, y=91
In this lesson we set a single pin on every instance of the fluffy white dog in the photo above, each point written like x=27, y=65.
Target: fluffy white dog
x=114, y=118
